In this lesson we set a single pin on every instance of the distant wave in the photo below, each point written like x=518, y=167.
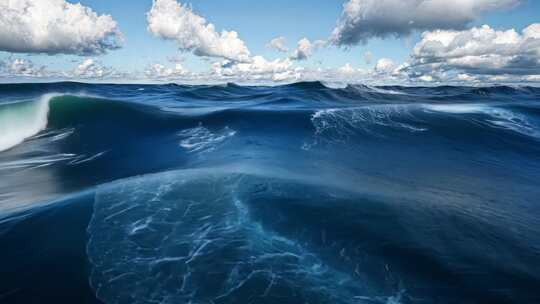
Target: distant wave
x=340, y=125
x=362, y=106
x=498, y=117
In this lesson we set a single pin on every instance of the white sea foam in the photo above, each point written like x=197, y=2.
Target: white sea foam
x=19, y=121
x=334, y=84
x=384, y=90
x=37, y=162
x=200, y=139
x=457, y=108
x=498, y=117
x=341, y=124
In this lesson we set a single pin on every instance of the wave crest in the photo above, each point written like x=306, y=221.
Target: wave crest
x=19, y=121
x=497, y=117
x=339, y=125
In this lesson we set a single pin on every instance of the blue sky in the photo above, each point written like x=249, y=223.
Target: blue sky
x=257, y=22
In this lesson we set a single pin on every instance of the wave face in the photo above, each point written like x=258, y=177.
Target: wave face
x=300, y=193
x=21, y=120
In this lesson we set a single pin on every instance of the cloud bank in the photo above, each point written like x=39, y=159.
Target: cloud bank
x=19, y=67
x=258, y=69
x=473, y=55
x=478, y=51
x=170, y=20
x=158, y=71
x=362, y=20
x=92, y=69
x=55, y=27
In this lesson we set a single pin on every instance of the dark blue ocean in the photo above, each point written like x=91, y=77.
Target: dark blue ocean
x=301, y=193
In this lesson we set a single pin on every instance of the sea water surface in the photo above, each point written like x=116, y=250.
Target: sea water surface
x=299, y=193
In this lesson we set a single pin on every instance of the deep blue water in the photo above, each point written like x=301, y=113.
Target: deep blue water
x=291, y=194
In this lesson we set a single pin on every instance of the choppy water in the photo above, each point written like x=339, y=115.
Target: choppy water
x=292, y=194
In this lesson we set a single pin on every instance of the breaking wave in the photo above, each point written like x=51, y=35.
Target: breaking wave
x=497, y=117
x=21, y=120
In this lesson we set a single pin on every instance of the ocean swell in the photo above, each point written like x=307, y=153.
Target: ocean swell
x=203, y=194
x=190, y=237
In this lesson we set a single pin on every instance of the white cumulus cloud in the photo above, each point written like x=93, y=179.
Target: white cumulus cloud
x=24, y=68
x=55, y=27
x=306, y=48
x=479, y=51
x=171, y=20
x=465, y=78
x=347, y=69
x=533, y=78
x=385, y=65
x=90, y=68
x=362, y=20
x=159, y=71
x=258, y=69
x=278, y=44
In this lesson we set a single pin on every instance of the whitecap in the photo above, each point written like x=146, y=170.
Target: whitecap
x=341, y=124
x=457, y=108
x=201, y=139
x=497, y=117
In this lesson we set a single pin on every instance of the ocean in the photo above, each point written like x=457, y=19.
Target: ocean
x=300, y=193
